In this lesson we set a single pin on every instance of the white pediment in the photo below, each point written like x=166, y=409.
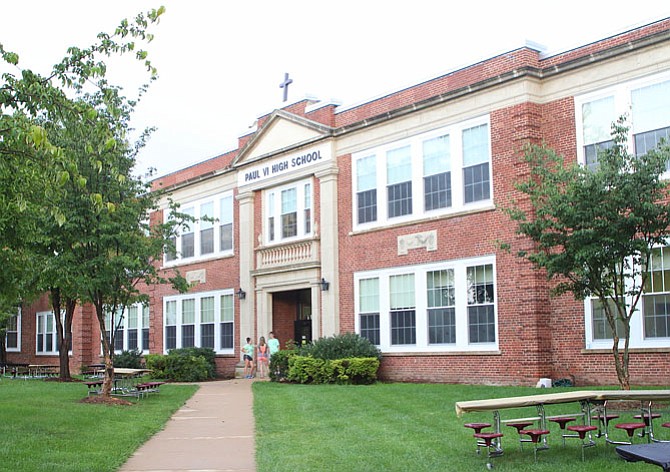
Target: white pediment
x=281, y=132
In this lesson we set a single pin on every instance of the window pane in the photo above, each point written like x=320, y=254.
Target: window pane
x=188, y=336
x=440, y=287
x=226, y=237
x=367, y=206
x=227, y=308
x=400, y=199
x=132, y=317
x=370, y=327
x=170, y=337
x=207, y=241
x=481, y=324
x=187, y=245
x=188, y=311
x=476, y=145
x=436, y=156
x=597, y=119
x=206, y=211
x=650, y=107
x=399, y=165
x=442, y=325
x=402, y=291
x=368, y=297
x=403, y=327
x=207, y=335
x=171, y=313
x=437, y=191
x=207, y=310
x=476, y=183
x=366, y=173
x=226, y=335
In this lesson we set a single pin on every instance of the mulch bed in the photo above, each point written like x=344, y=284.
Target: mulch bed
x=101, y=400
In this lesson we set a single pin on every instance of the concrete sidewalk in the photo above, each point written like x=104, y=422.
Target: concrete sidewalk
x=212, y=432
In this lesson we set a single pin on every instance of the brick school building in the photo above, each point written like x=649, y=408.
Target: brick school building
x=385, y=219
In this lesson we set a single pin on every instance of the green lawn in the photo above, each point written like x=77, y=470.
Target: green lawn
x=44, y=427
x=403, y=427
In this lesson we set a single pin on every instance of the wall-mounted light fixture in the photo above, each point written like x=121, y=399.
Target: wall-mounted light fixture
x=241, y=294
x=324, y=285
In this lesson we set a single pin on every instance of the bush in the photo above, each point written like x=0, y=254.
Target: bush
x=183, y=365
x=128, y=359
x=341, y=346
x=157, y=363
x=279, y=364
x=353, y=370
x=206, y=352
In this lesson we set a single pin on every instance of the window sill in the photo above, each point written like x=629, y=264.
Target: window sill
x=423, y=219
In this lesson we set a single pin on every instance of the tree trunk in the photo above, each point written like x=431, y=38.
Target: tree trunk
x=108, y=380
x=63, y=333
x=621, y=365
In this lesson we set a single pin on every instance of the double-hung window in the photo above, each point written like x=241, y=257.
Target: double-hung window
x=46, y=336
x=650, y=323
x=131, y=328
x=412, y=178
x=444, y=306
x=13, y=333
x=288, y=211
x=645, y=102
x=200, y=320
x=210, y=235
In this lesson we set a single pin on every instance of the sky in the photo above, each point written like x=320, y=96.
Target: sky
x=220, y=63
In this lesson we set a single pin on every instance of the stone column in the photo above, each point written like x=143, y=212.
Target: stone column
x=330, y=302
x=245, y=223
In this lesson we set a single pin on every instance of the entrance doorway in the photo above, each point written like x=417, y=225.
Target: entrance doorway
x=292, y=316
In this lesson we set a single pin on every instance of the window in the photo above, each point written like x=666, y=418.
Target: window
x=200, y=320
x=170, y=325
x=368, y=303
x=211, y=235
x=446, y=306
x=656, y=299
x=650, y=323
x=289, y=212
x=437, y=173
x=399, y=183
x=403, y=309
x=476, y=157
x=440, y=292
x=132, y=328
x=646, y=103
x=481, y=316
x=13, y=333
x=47, y=338
x=366, y=196
x=415, y=178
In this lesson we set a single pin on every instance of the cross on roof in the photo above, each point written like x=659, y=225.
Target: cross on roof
x=285, y=85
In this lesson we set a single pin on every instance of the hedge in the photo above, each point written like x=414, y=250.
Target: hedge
x=351, y=370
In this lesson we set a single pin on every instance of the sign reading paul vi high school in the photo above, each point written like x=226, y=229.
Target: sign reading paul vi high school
x=283, y=165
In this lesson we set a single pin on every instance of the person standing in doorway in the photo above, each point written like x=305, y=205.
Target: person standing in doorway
x=248, y=356
x=262, y=357
x=273, y=343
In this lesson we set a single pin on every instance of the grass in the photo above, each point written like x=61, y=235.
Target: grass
x=44, y=427
x=403, y=427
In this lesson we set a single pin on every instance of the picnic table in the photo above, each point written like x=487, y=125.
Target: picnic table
x=127, y=382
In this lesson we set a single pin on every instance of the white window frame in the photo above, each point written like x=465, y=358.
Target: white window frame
x=422, y=344
x=196, y=227
x=18, y=334
x=197, y=297
x=272, y=207
x=124, y=328
x=637, y=337
x=623, y=104
x=54, y=342
x=455, y=132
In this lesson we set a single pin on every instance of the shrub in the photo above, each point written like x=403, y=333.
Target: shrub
x=183, y=365
x=341, y=346
x=353, y=370
x=279, y=364
x=206, y=352
x=157, y=363
x=128, y=359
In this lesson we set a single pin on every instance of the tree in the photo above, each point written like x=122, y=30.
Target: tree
x=594, y=230
x=34, y=173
